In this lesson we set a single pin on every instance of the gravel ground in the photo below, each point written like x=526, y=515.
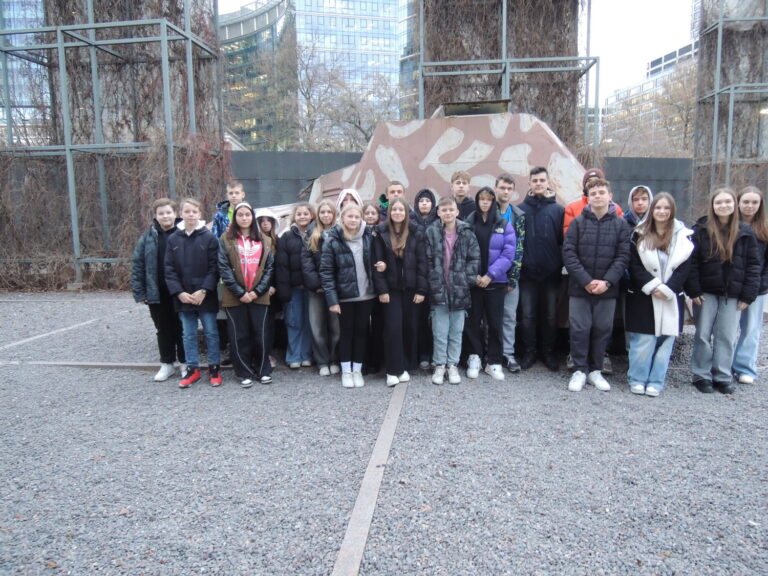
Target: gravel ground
x=105, y=472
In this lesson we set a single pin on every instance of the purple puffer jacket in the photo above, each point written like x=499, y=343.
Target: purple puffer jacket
x=501, y=248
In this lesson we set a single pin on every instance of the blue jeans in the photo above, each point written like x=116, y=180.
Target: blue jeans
x=717, y=320
x=210, y=331
x=447, y=327
x=649, y=358
x=751, y=323
x=296, y=315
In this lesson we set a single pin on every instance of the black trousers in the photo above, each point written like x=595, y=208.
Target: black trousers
x=169, y=335
x=401, y=330
x=538, y=311
x=250, y=339
x=353, y=330
x=488, y=307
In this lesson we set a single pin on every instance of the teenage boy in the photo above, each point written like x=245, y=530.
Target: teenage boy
x=541, y=270
x=394, y=190
x=425, y=207
x=453, y=259
x=595, y=253
x=460, y=192
x=505, y=189
x=575, y=208
x=638, y=201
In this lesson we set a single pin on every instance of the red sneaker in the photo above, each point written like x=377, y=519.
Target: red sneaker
x=215, y=374
x=191, y=376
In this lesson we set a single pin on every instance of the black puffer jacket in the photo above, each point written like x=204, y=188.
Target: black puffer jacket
x=596, y=250
x=542, y=256
x=466, y=207
x=310, y=262
x=192, y=264
x=338, y=276
x=288, y=273
x=414, y=263
x=464, y=267
x=739, y=278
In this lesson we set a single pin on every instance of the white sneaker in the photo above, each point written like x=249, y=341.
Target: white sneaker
x=577, y=381
x=637, y=388
x=294, y=365
x=392, y=380
x=325, y=371
x=404, y=377
x=335, y=369
x=346, y=380
x=473, y=366
x=357, y=378
x=743, y=379
x=453, y=375
x=306, y=363
x=246, y=383
x=182, y=368
x=494, y=371
x=596, y=379
x=652, y=391
x=439, y=375
x=165, y=372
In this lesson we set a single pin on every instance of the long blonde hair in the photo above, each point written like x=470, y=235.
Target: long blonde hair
x=317, y=234
x=722, y=236
x=347, y=208
x=759, y=222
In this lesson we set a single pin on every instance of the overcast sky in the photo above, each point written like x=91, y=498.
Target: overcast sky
x=626, y=35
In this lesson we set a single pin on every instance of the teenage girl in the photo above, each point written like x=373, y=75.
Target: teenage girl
x=290, y=287
x=752, y=212
x=246, y=266
x=374, y=355
x=659, y=261
x=346, y=275
x=724, y=279
x=149, y=287
x=192, y=275
x=399, y=243
x=269, y=227
x=323, y=323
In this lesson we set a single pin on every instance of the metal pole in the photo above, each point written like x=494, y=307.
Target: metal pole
x=596, y=132
x=96, y=88
x=191, y=113
x=67, y=124
x=716, y=99
x=6, y=87
x=504, y=54
x=167, y=110
x=729, y=137
x=421, y=59
x=587, y=79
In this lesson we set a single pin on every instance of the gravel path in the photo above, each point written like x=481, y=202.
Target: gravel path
x=106, y=472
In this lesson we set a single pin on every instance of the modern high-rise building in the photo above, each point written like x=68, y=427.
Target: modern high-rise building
x=357, y=39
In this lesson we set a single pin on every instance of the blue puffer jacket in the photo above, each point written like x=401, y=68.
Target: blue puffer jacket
x=145, y=283
x=542, y=256
x=191, y=264
x=221, y=219
x=501, y=248
x=465, y=262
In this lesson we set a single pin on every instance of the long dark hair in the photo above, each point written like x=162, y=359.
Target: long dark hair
x=234, y=230
x=398, y=237
x=759, y=222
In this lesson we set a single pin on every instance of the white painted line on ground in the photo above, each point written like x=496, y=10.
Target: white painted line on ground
x=57, y=331
x=351, y=552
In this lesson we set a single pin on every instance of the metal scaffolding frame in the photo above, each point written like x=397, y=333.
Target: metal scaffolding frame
x=732, y=93
x=508, y=66
x=84, y=36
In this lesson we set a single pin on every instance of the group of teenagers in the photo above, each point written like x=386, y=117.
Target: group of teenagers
x=446, y=280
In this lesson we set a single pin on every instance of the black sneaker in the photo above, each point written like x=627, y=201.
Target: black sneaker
x=704, y=386
x=550, y=361
x=724, y=387
x=528, y=360
x=512, y=364
x=226, y=362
